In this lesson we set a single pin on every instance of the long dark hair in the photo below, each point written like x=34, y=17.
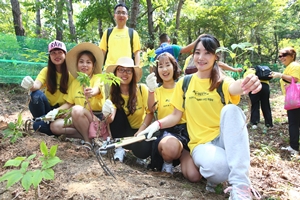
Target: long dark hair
x=51, y=77
x=211, y=44
x=176, y=69
x=116, y=97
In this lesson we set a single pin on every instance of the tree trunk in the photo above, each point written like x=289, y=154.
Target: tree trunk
x=69, y=5
x=100, y=28
x=180, y=4
x=38, y=23
x=150, y=43
x=17, y=15
x=59, y=16
x=134, y=13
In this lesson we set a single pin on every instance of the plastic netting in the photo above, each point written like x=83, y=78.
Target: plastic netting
x=22, y=56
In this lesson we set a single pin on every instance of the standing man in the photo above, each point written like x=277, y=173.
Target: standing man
x=121, y=41
x=173, y=49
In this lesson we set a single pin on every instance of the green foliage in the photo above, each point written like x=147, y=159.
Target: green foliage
x=14, y=130
x=83, y=79
x=148, y=58
x=28, y=176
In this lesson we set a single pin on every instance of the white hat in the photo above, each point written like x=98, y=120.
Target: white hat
x=126, y=62
x=56, y=44
x=71, y=57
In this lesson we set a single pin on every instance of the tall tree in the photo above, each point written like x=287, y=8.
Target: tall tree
x=150, y=24
x=59, y=4
x=180, y=4
x=38, y=18
x=69, y=5
x=134, y=13
x=17, y=15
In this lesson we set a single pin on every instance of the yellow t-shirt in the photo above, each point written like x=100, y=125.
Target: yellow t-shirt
x=187, y=60
x=119, y=45
x=164, y=107
x=137, y=118
x=57, y=97
x=202, y=108
x=76, y=96
x=252, y=71
x=293, y=69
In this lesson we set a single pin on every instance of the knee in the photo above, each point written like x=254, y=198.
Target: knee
x=193, y=176
x=37, y=96
x=77, y=111
x=170, y=148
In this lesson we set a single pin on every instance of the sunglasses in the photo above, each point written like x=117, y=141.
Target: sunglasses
x=283, y=55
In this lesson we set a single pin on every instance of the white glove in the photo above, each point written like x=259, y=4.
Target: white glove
x=107, y=108
x=27, y=82
x=151, y=82
x=50, y=117
x=276, y=75
x=152, y=128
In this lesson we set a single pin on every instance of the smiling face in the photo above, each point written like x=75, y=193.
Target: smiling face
x=203, y=59
x=57, y=56
x=125, y=73
x=165, y=68
x=121, y=16
x=85, y=64
x=285, y=58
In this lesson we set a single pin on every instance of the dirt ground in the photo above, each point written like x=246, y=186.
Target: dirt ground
x=274, y=173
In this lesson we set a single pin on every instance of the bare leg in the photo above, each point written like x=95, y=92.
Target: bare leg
x=170, y=148
x=188, y=167
x=82, y=118
x=58, y=128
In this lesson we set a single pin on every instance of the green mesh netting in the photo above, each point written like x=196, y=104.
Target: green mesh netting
x=22, y=56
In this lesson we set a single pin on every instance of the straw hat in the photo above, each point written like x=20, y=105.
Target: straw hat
x=71, y=57
x=126, y=62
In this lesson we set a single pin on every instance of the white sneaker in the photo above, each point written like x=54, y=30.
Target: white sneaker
x=242, y=193
x=142, y=162
x=167, y=167
x=291, y=150
x=254, y=127
x=210, y=187
x=119, y=154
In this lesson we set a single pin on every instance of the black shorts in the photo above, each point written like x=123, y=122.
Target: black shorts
x=178, y=131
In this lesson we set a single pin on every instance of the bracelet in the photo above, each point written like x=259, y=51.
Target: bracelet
x=159, y=124
x=144, y=124
x=151, y=91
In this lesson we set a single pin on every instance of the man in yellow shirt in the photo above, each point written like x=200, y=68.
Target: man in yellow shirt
x=118, y=44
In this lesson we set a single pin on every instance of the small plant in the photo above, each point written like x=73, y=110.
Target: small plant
x=30, y=177
x=244, y=47
x=148, y=58
x=14, y=130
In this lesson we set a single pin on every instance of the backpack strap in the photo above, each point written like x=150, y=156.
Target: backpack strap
x=185, y=85
x=109, y=30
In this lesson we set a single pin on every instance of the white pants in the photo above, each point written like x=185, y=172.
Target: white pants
x=227, y=157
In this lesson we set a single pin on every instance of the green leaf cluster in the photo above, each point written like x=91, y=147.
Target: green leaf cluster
x=14, y=130
x=27, y=176
x=148, y=58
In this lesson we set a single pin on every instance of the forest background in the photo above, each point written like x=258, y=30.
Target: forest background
x=28, y=26
x=267, y=24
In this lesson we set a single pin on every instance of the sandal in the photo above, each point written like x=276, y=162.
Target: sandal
x=88, y=145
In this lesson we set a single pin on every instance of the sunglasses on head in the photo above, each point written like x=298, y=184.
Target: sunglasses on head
x=283, y=55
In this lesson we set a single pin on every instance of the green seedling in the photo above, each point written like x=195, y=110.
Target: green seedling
x=148, y=58
x=26, y=175
x=14, y=130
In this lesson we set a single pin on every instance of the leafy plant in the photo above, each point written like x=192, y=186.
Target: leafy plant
x=14, y=130
x=27, y=176
x=148, y=58
x=237, y=50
